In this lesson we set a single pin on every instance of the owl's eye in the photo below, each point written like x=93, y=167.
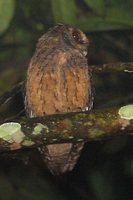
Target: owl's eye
x=77, y=37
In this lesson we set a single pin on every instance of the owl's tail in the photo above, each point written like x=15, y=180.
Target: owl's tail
x=61, y=158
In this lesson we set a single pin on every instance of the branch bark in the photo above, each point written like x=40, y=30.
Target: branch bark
x=70, y=127
x=113, y=67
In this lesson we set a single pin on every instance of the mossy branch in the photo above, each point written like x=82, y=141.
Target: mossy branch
x=70, y=127
x=113, y=67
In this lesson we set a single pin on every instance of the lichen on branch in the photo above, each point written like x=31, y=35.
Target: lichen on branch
x=69, y=127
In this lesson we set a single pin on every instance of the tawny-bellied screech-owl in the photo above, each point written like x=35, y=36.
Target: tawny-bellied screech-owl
x=59, y=81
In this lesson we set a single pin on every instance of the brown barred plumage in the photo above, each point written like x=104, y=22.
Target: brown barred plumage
x=59, y=81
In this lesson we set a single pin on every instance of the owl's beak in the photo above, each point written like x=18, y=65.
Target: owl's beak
x=85, y=53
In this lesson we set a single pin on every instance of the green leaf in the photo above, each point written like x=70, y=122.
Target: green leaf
x=64, y=11
x=6, y=13
x=96, y=5
x=124, y=16
x=94, y=15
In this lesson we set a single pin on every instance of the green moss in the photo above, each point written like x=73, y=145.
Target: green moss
x=95, y=132
x=66, y=123
x=80, y=116
x=28, y=143
x=39, y=127
x=126, y=112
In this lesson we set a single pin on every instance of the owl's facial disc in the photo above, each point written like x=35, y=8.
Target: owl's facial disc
x=72, y=37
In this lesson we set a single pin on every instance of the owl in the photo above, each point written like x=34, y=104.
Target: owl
x=59, y=81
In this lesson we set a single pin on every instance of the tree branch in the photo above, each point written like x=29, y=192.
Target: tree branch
x=70, y=127
x=113, y=67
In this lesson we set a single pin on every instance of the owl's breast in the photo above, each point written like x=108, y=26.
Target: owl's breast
x=57, y=88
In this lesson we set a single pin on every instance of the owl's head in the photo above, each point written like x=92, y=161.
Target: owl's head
x=65, y=36
x=71, y=37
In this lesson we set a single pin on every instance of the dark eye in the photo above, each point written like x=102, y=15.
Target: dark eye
x=77, y=37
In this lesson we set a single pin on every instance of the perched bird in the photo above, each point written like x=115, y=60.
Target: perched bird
x=59, y=81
